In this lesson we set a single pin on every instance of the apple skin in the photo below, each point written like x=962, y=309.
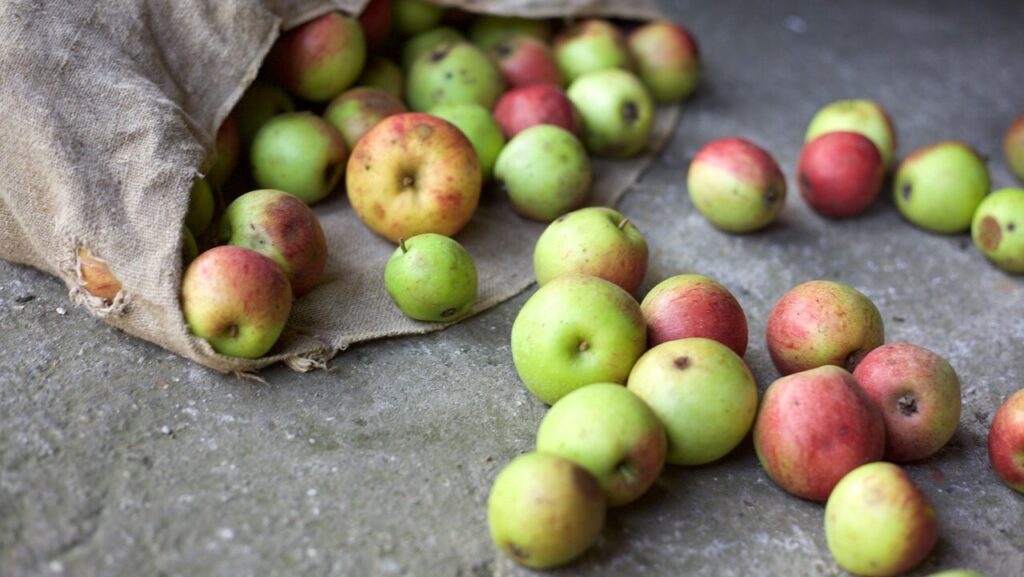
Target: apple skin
x=918, y=394
x=939, y=187
x=354, y=112
x=1013, y=147
x=454, y=72
x=997, y=228
x=227, y=146
x=96, y=277
x=383, y=74
x=820, y=323
x=864, y=116
x=597, y=241
x=200, y=206
x=319, y=59
x=736, y=185
x=544, y=511
x=1006, y=442
x=425, y=42
x=703, y=393
x=526, y=61
x=617, y=112
x=299, y=153
x=667, y=60
x=610, y=432
x=574, y=331
x=590, y=46
x=489, y=30
x=414, y=173
x=840, y=174
x=431, y=277
x=813, y=428
x=282, y=227
x=878, y=523
x=376, y=22
x=692, y=305
x=237, y=299
x=410, y=17
x=545, y=171
x=480, y=128
x=522, y=108
x=261, y=102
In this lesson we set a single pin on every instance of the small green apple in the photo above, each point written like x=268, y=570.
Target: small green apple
x=200, y=207
x=454, y=72
x=299, y=153
x=617, y=112
x=480, y=128
x=261, y=102
x=383, y=74
x=938, y=187
x=489, y=30
x=425, y=42
x=545, y=170
x=431, y=277
x=998, y=229
x=410, y=17
x=1013, y=147
x=590, y=46
x=863, y=116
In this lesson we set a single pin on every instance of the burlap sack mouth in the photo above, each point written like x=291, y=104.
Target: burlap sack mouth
x=108, y=113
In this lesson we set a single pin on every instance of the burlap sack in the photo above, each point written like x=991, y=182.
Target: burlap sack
x=107, y=112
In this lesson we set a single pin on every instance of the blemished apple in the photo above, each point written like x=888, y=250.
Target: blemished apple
x=998, y=229
x=1013, y=147
x=863, y=116
x=1006, y=442
x=820, y=323
x=526, y=61
x=617, y=112
x=227, y=146
x=200, y=206
x=544, y=511
x=480, y=128
x=545, y=171
x=431, y=277
x=282, y=227
x=425, y=42
x=704, y=394
x=354, y=112
x=319, y=59
x=813, y=428
x=489, y=30
x=574, y=331
x=453, y=72
x=522, y=108
x=878, y=523
x=414, y=173
x=598, y=241
x=261, y=102
x=236, y=299
x=938, y=187
x=693, y=305
x=95, y=276
x=736, y=185
x=376, y=22
x=840, y=174
x=299, y=153
x=590, y=46
x=918, y=393
x=410, y=17
x=667, y=60
x=610, y=432
x=383, y=74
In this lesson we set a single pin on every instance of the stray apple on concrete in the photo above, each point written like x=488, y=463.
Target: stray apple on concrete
x=321, y=58
x=546, y=172
x=736, y=185
x=1013, y=147
x=1006, y=442
x=354, y=112
x=938, y=187
x=431, y=277
x=998, y=229
x=864, y=116
x=840, y=174
x=692, y=305
x=299, y=153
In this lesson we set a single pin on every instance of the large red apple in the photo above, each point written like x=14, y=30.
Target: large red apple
x=320, y=58
x=840, y=174
x=525, y=61
x=1006, y=442
x=522, y=108
x=691, y=305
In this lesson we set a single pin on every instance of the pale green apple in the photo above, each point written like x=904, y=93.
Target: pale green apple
x=489, y=30
x=590, y=46
x=938, y=187
x=454, y=72
x=425, y=42
x=299, y=153
x=200, y=206
x=736, y=185
x=383, y=74
x=480, y=128
x=431, y=277
x=998, y=229
x=617, y=112
x=545, y=170
x=261, y=102
x=410, y=17
x=862, y=116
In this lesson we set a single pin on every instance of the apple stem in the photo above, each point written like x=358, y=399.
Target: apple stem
x=623, y=223
x=401, y=244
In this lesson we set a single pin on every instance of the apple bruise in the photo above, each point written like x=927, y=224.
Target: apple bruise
x=991, y=234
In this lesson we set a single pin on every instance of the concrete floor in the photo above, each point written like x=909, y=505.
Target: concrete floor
x=117, y=458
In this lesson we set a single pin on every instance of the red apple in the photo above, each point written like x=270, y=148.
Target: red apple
x=691, y=305
x=840, y=173
x=376, y=22
x=525, y=61
x=1006, y=442
x=522, y=108
x=736, y=185
x=320, y=58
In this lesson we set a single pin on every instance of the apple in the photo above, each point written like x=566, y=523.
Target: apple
x=813, y=428
x=410, y=17
x=96, y=277
x=598, y=241
x=878, y=523
x=957, y=573
x=590, y=46
x=489, y=30
x=617, y=112
x=414, y=173
x=261, y=102
x=938, y=187
x=282, y=227
x=667, y=59
x=692, y=305
x=545, y=171
x=998, y=229
x=425, y=42
x=200, y=206
x=480, y=128
x=453, y=73
x=376, y=22
x=863, y=116
x=822, y=322
x=611, y=433
x=1006, y=442
x=526, y=61
x=431, y=277
x=918, y=393
x=189, y=248
x=236, y=299
x=840, y=174
x=704, y=394
x=299, y=153
x=354, y=112
x=574, y=331
x=383, y=74
x=736, y=185
x=1013, y=147
x=319, y=59
x=522, y=108
x=227, y=147
x=544, y=511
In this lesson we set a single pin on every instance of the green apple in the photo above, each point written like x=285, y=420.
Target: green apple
x=261, y=102
x=410, y=17
x=425, y=42
x=489, y=30
x=938, y=187
x=480, y=128
x=544, y=511
x=704, y=394
x=667, y=58
x=611, y=433
x=617, y=112
x=862, y=116
x=878, y=523
x=998, y=229
x=431, y=277
x=453, y=73
x=590, y=46
x=545, y=170
x=354, y=112
x=200, y=206
x=321, y=58
x=574, y=331
x=189, y=248
x=736, y=185
x=299, y=153
x=383, y=74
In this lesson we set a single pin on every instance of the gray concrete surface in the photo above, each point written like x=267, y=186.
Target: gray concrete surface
x=117, y=458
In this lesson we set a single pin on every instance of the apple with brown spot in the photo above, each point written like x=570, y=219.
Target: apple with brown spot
x=525, y=61
x=319, y=59
x=692, y=305
x=1006, y=442
x=354, y=112
x=840, y=174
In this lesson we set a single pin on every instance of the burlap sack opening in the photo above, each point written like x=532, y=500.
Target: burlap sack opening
x=108, y=111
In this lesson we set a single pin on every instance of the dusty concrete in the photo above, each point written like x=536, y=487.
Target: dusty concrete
x=119, y=459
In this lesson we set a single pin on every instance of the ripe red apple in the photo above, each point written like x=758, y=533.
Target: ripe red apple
x=736, y=185
x=918, y=393
x=815, y=427
x=525, y=61
x=414, y=173
x=1013, y=147
x=320, y=58
x=522, y=108
x=376, y=22
x=354, y=112
x=667, y=59
x=822, y=322
x=840, y=173
x=691, y=305
x=1006, y=442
